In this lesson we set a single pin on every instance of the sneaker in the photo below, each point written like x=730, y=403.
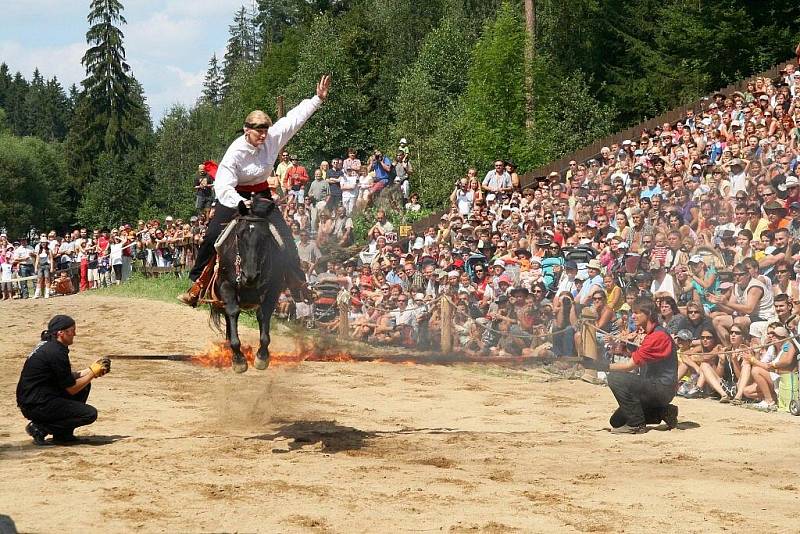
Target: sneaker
x=671, y=416
x=765, y=406
x=627, y=429
x=694, y=393
x=683, y=389
x=38, y=434
x=725, y=400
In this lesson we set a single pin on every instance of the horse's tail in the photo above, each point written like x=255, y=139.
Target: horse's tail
x=216, y=318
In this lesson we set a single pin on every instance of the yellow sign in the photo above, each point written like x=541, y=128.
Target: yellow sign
x=405, y=230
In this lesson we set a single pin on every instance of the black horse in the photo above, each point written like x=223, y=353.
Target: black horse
x=252, y=274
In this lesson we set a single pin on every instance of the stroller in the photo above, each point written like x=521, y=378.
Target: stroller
x=472, y=262
x=324, y=308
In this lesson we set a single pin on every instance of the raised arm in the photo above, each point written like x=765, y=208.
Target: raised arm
x=282, y=131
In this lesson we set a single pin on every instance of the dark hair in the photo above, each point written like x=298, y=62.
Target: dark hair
x=646, y=306
x=711, y=331
x=672, y=304
x=782, y=297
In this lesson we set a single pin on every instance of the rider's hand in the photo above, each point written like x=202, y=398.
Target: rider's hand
x=323, y=86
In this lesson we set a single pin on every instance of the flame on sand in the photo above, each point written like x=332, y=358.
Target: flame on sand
x=219, y=355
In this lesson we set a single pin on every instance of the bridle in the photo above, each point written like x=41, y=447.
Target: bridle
x=237, y=262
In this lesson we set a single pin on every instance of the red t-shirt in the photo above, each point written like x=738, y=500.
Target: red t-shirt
x=102, y=244
x=656, y=346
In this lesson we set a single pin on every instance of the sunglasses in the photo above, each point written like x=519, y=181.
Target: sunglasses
x=693, y=311
x=706, y=337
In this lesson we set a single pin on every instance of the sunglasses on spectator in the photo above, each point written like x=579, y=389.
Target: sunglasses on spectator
x=706, y=337
x=692, y=311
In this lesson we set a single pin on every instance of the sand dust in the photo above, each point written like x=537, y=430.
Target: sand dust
x=367, y=447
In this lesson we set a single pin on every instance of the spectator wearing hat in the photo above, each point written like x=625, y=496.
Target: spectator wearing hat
x=594, y=282
x=403, y=146
x=776, y=215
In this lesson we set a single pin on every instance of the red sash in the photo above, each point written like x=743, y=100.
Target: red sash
x=253, y=188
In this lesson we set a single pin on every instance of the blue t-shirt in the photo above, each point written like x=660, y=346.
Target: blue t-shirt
x=381, y=174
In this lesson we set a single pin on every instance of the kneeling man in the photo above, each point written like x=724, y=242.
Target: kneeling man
x=49, y=393
x=644, y=398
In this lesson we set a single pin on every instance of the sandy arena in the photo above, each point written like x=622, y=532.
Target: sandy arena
x=368, y=447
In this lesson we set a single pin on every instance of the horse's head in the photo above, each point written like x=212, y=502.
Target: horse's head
x=252, y=236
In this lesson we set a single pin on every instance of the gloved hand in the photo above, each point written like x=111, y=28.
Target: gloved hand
x=597, y=365
x=101, y=367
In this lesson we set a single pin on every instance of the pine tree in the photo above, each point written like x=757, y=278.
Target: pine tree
x=212, y=86
x=272, y=19
x=108, y=85
x=15, y=106
x=239, y=52
x=5, y=84
x=36, y=108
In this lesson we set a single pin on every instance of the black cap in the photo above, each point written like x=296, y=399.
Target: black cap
x=571, y=265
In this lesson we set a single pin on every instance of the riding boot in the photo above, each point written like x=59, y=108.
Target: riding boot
x=206, y=251
x=191, y=297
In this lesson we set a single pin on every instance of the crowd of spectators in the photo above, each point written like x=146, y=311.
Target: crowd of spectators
x=702, y=215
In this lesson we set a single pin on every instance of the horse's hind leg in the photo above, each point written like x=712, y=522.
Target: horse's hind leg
x=264, y=314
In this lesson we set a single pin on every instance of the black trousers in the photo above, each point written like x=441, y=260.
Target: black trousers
x=224, y=215
x=641, y=401
x=61, y=416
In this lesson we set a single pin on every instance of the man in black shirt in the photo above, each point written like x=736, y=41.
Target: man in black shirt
x=49, y=393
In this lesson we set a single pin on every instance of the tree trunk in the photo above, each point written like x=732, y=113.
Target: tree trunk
x=530, y=43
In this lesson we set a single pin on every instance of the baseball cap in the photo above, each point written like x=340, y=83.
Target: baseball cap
x=697, y=258
x=581, y=276
x=685, y=335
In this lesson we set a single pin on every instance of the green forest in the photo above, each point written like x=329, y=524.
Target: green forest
x=465, y=81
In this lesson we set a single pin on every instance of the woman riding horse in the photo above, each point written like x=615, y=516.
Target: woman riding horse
x=242, y=173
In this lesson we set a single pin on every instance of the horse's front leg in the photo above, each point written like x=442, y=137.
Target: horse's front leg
x=264, y=314
x=232, y=310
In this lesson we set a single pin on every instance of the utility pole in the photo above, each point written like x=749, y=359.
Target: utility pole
x=530, y=44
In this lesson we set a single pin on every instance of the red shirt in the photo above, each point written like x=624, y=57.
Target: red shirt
x=656, y=346
x=296, y=177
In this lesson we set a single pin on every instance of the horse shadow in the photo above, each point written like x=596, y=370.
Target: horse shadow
x=333, y=437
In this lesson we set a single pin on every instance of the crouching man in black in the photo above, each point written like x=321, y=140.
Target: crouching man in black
x=49, y=393
x=644, y=398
